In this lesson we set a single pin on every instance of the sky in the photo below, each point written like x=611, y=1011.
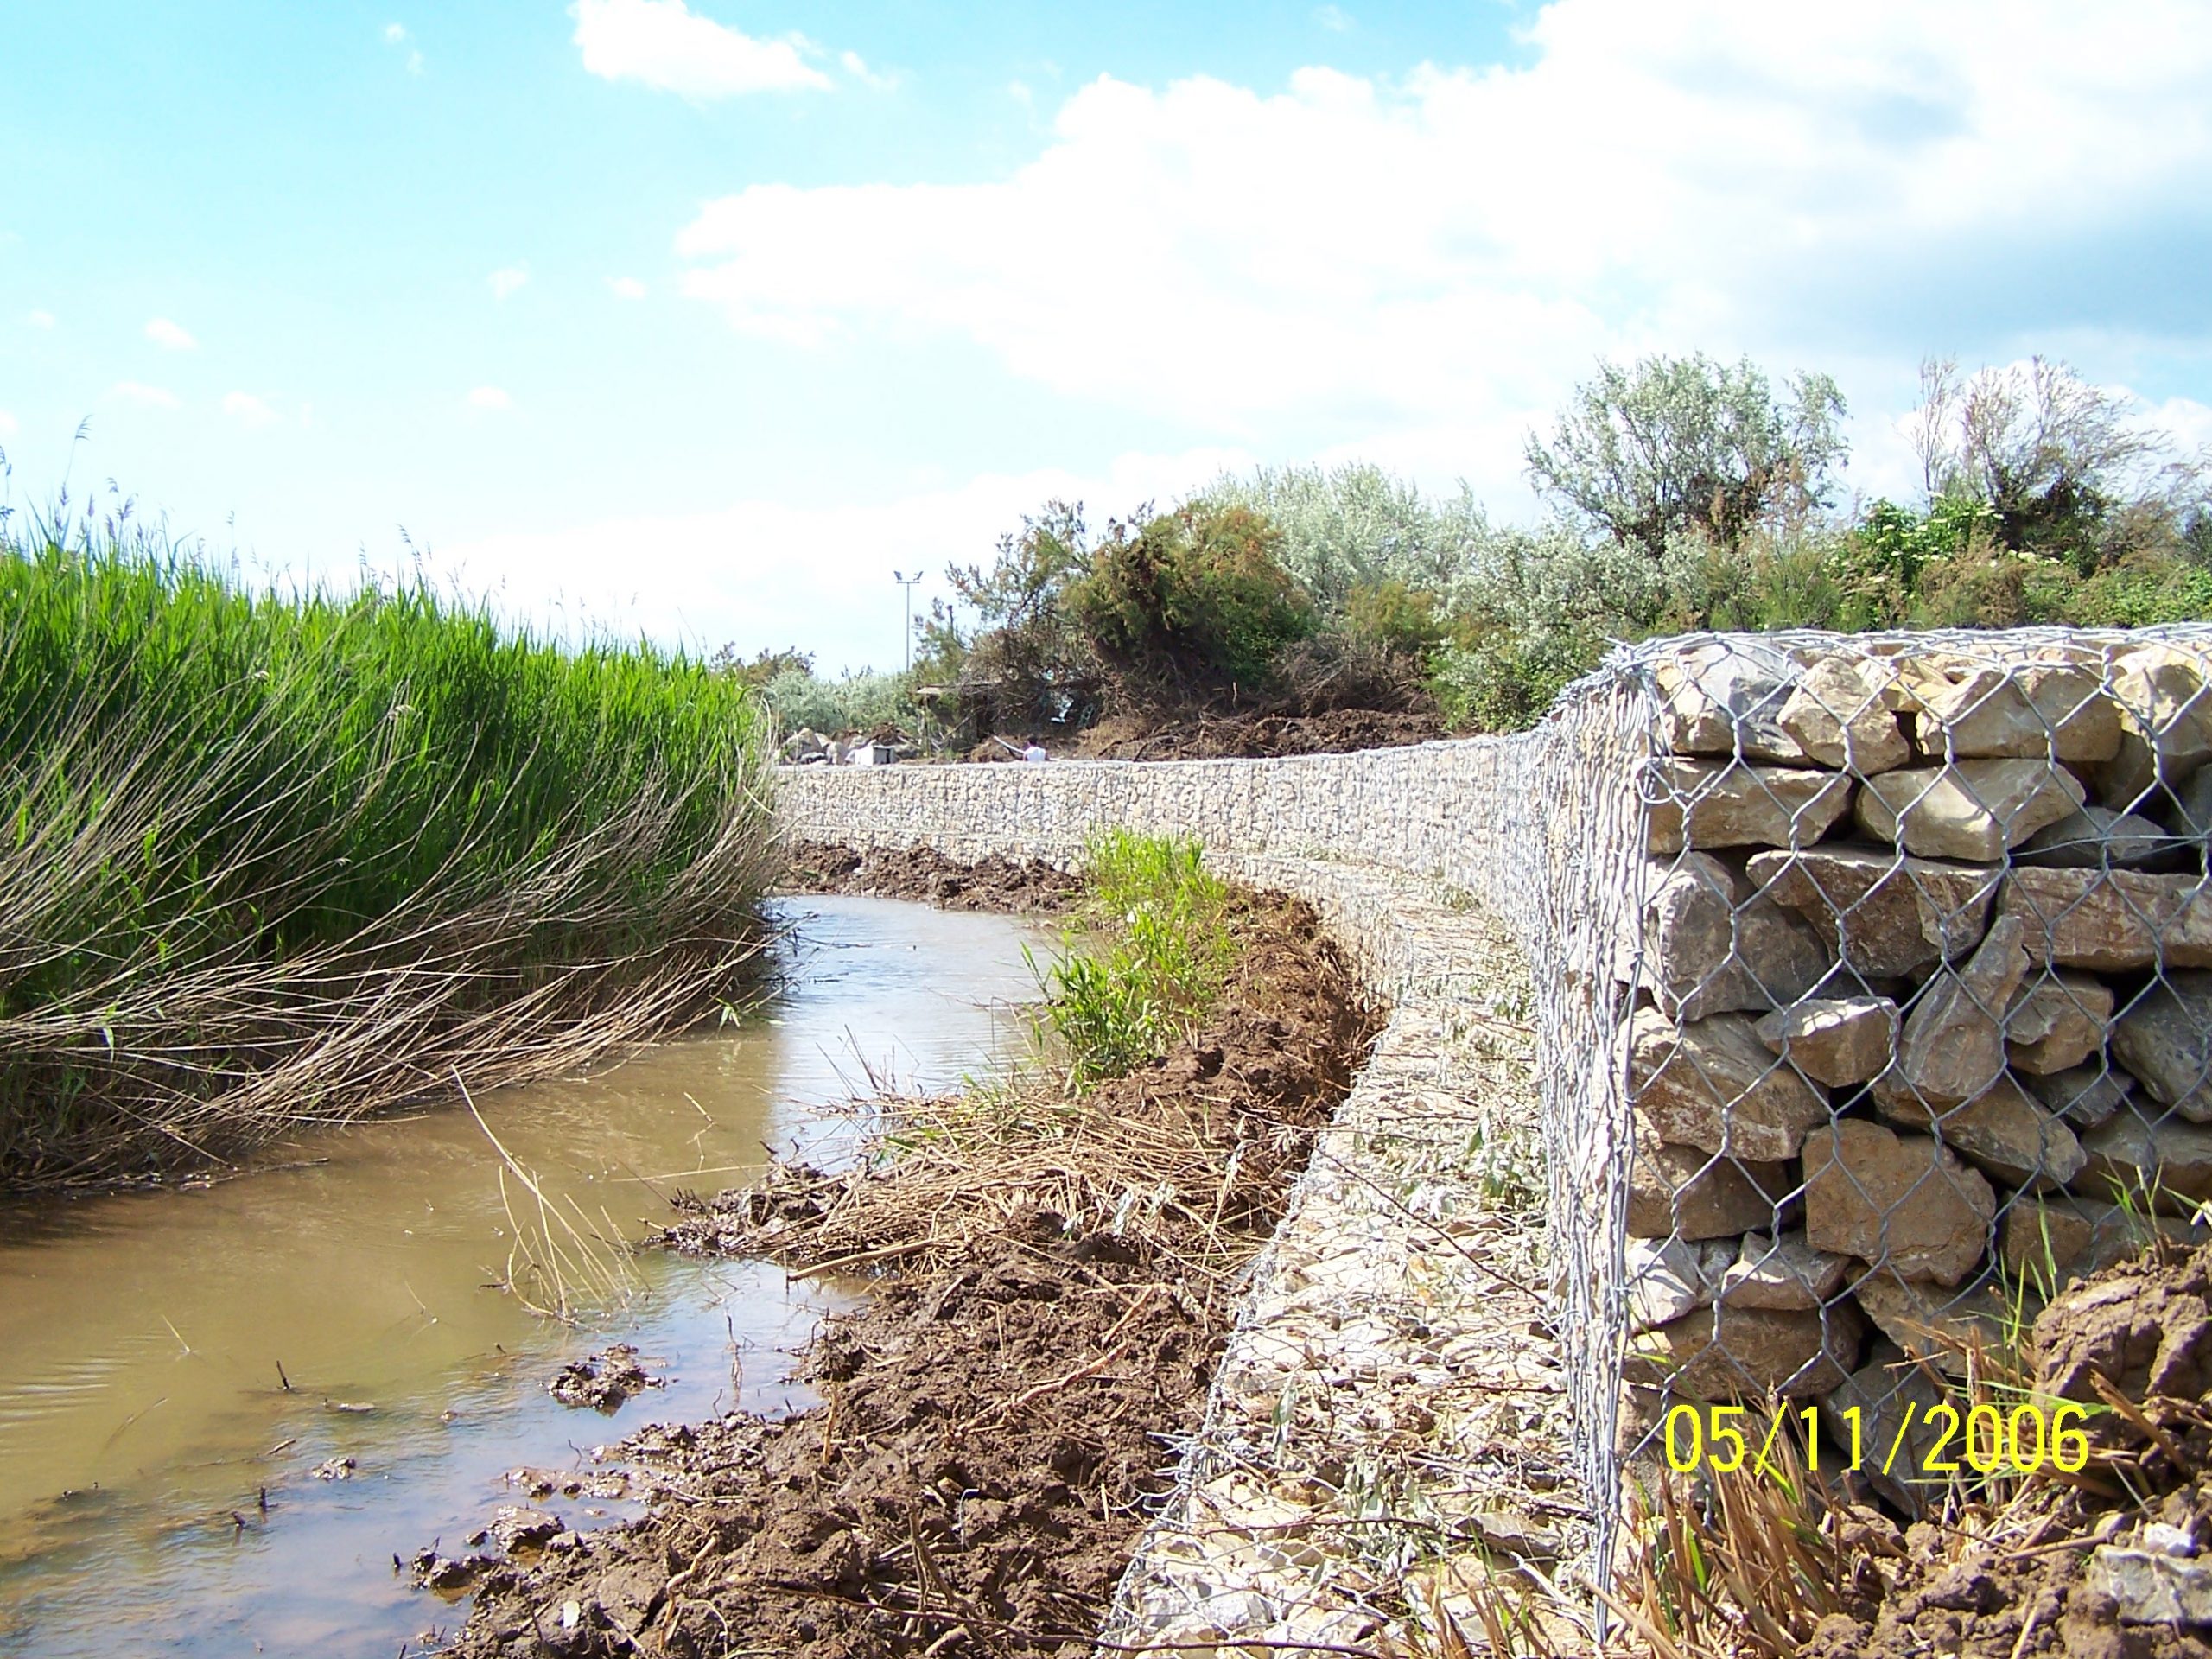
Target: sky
x=700, y=319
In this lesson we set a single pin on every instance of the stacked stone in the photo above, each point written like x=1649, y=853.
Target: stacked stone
x=1924, y=1016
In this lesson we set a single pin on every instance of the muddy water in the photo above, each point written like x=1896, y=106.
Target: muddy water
x=142, y=1415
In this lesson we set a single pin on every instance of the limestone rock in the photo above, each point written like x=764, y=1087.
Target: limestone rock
x=1783, y=1274
x=1840, y=717
x=2057, y=1022
x=2166, y=1040
x=2093, y=837
x=1837, y=1041
x=1713, y=944
x=1943, y=1328
x=2037, y=711
x=2053, y=1240
x=1970, y=810
x=2003, y=1131
x=1953, y=1047
x=2193, y=805
x=1900, y=1200
x=2085, y=1096
x=2149, y=1586
x=2111, y=921
x=1693, y=1194
x=2161, y=690
x=1886, y=915
x=1728, y=1353
x=2167, y=1158
x=1670, y=1278
x=1729, y=804
x=1893, y=1395
x=1726, y=698
x=1713, y=1085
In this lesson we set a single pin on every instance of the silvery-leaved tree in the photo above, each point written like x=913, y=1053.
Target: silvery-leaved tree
x=1675, y=444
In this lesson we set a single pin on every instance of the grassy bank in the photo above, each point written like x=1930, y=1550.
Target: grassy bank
x=269, y=860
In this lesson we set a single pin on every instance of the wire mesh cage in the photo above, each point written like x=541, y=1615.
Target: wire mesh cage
x=1910, y=1026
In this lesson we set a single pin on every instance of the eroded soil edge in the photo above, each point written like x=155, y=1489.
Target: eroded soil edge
x=1048, y=1310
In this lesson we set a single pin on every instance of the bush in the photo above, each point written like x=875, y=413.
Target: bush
x=861, y=701
x=1189, y=603
x=1358, y=527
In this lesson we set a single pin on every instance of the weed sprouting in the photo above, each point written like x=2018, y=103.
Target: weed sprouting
x=1150, y=957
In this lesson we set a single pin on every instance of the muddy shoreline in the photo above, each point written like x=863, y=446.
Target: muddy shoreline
x=1002, y=1412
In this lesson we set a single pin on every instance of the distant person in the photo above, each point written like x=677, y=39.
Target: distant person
x=1035, y=751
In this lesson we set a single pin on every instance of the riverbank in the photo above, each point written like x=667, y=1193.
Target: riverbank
x=1049, y=1302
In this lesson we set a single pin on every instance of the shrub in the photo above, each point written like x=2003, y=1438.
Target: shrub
x=1189, y=603
x=1355, y=526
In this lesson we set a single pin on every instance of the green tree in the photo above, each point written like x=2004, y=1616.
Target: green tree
x=2065, y=468
x=1676, y=444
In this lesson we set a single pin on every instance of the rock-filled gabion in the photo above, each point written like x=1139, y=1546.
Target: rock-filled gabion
x=1922, y=1014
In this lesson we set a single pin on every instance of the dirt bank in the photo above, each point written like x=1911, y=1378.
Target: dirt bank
x=1214, y=736
x=922, y=873
x=2015, y=1573
x=1054, y=1279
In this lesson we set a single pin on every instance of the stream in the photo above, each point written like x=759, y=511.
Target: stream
x=327, y=1331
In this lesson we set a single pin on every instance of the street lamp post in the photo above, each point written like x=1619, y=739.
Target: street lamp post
x=907, y=583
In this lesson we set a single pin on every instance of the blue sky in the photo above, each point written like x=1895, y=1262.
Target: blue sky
x=699, y=317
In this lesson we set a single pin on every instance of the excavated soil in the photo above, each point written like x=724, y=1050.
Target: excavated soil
x=1001, y=1412
x=2138, y=1339
x=1209, y=737
x=923, y=872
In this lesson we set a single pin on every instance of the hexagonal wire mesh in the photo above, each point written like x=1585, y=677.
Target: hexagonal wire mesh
x=1917, y=1027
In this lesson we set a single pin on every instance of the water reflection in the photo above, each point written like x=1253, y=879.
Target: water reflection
x=169, y=1360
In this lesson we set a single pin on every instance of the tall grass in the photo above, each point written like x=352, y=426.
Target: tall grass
x=1154, y=956
x=266, y=860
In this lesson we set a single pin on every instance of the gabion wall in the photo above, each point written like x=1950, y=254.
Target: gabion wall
x=1921, y=1026
x=1872, y=997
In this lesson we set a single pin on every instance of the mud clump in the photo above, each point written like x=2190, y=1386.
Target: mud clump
x=995, y=883
x=999, y=1413
x=605, y=1381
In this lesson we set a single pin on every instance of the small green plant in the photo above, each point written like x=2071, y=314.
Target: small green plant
x=1152, y=954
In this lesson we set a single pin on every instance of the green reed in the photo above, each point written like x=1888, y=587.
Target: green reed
x=232, y=821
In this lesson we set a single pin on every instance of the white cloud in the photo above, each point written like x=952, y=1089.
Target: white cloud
x=1820, y=188
x=1333, y=19
x=663, y=44
x=397, y=34
x=489, y=398
x=766, y=574
x=40, y=319
x=8, y=427
x=249, y=410
x=170, y=336
x=506, y=280
x=627, y=288
x=145, y=396
x=856, y=67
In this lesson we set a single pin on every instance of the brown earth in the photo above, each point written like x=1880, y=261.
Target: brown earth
x=2006, y=1581
x=923, y=872
x=1212, y=736
x=999, y=1413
